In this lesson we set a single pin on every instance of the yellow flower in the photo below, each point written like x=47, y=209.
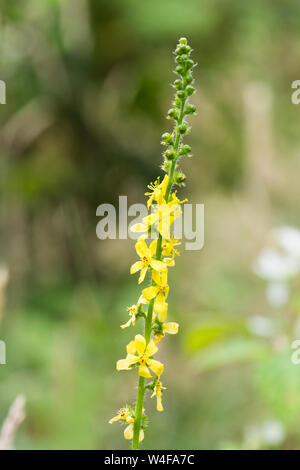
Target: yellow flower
x=158, y=191
x=132, y=312
x=138, y=353
x=124, y=414
x=170, y=327
x=146, y=254
x=168, y=247
x=160, y=290
x=158, y=388
x=128, y=433
x=163, y=216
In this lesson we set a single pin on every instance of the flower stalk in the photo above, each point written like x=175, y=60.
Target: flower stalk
x=159, y=256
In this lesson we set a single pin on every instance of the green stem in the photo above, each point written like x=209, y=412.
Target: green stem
x=138, y=413
x=148, y=320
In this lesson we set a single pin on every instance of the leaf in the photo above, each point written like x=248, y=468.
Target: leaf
x=278, y=382
x=233, y=351
x=208, y=333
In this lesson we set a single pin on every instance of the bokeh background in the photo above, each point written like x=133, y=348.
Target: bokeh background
x=88, y=88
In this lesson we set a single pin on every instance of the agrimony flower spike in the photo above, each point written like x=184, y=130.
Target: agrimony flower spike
x=157, y=256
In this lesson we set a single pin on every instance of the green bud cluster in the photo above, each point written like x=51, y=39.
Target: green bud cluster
x=181, y=108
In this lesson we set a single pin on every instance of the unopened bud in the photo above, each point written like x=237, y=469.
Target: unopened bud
x=167, y=139
x=173, y=113
x=190, y=90
x=183, y=128
x=190, y=109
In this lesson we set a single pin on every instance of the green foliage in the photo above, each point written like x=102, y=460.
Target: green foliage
x=278, y=382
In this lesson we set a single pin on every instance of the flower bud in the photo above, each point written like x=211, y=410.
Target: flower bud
x=167, y=139
x=190, y=63
x=180, y=70
x=185, y=149
x=181, y=59
x=181, y=94
x=183, y=41
x=178, y=84
x=182, y=49
x=166, y=166
x=190, y=90
x=190, y=109
x=173, y=113
x=169, y=154
x=183, y=128
x=179, y=178
x=189, y=78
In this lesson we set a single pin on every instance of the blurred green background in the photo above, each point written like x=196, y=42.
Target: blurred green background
x=88, y=88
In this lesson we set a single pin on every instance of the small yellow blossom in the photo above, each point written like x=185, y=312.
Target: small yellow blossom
x=158, y=191
x=170, y=327
x=147, y=261
x=124, y=414
x=128, y=433
x=157, y=392
x=132, y=312
x=162, y=217
x=163, y=314
x=168, y=247
x=138, y=353
x=160, y=290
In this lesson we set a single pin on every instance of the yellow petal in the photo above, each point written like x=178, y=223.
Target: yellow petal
x=142, y=300
x=123, y=364
x=158, y=265
x=164, y=278
x=136, y=267
x=144, y=371
x=158, y=338
x=164, y=183
x=127, y=324
x=164, y=229
x=170, y=262
x=114, y=419
x=150, y=292
x=156, y=366
x=159, y=406
x=151, y=349
x=132, y=359
x=149, y=202
x=171, y=328
x=128, y=432
x=139, y=228
x=162, y=315
x=159, y=304
x=130, y=348
x=156, y=277
x=141, y=248
x=141, y=435
x=140, y=344
x=152, y=247
x=151, y=219
x=142, y=275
